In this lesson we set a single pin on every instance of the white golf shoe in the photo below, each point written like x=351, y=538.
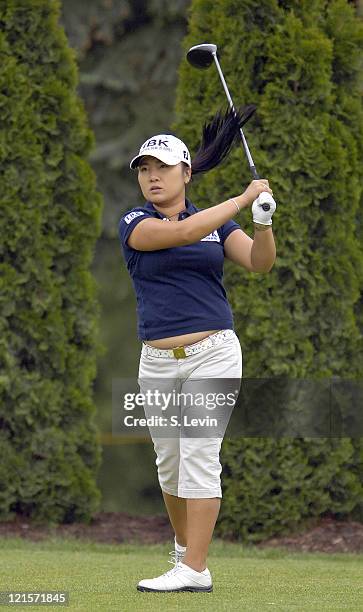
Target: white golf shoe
x=179, y=578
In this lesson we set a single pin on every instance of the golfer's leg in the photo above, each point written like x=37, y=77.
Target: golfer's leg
x=199, y=483
x=166, y=448
x=177, y=511
x=202, y=517
x=200, y=468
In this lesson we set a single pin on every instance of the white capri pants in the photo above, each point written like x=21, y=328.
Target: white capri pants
x=190, y=467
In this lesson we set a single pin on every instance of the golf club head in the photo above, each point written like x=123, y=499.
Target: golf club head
x=201, y=56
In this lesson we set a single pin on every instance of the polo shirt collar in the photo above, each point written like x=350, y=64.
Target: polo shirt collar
x=190, y=209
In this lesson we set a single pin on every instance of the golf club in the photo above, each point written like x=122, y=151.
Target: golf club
x=202, y=56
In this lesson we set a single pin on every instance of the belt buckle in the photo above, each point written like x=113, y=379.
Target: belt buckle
x=179, y=352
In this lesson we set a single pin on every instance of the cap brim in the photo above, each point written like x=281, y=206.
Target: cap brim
x=164, y=158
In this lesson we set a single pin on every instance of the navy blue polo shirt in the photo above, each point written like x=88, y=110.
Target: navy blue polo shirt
x=179, y=290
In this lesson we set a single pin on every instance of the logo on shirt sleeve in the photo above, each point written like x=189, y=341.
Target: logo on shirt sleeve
x=214, y=236
x=132, y=215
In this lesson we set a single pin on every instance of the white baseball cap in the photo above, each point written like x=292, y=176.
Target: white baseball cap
x=166, y=147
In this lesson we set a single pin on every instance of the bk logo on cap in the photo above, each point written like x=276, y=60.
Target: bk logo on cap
x=154, y=143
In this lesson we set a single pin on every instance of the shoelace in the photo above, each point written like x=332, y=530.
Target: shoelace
x=176, y=557
x=172, y=570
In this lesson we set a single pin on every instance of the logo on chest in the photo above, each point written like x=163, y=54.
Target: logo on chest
x=214, y=237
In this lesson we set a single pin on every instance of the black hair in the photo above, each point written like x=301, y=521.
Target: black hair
x=218, y=137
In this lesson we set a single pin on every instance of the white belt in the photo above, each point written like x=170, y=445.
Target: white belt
x=180, y=352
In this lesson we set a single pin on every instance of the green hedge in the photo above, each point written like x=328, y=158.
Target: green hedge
x=273, y=487
x=299, y=62
x=51, y=218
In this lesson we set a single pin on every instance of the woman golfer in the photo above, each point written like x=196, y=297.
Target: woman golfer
x=174, y=253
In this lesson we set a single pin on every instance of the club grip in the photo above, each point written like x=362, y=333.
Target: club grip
x=255, y=175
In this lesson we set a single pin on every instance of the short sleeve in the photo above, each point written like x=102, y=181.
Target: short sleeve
x=129, y=221
x=226, y=229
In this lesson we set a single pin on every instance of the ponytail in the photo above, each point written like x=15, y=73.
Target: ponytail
x=218, y=137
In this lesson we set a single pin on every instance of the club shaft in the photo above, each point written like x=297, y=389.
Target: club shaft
x=244, y=141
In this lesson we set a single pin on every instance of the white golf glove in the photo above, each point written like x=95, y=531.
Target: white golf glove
x=264, y=217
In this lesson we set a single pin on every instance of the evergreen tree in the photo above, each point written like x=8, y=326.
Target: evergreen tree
x=299, y=62
x=51, y=217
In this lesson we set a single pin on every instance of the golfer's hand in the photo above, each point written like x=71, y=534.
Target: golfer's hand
x=254, y=189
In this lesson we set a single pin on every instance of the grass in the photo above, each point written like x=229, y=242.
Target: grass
x=104, y=577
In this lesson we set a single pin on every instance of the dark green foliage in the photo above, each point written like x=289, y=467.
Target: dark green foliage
x=272, y=487
x=299, y=62
x=51, y=218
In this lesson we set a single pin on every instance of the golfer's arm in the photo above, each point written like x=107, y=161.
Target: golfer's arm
x=263, y=251
x=153, y=234
x=206, y=221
